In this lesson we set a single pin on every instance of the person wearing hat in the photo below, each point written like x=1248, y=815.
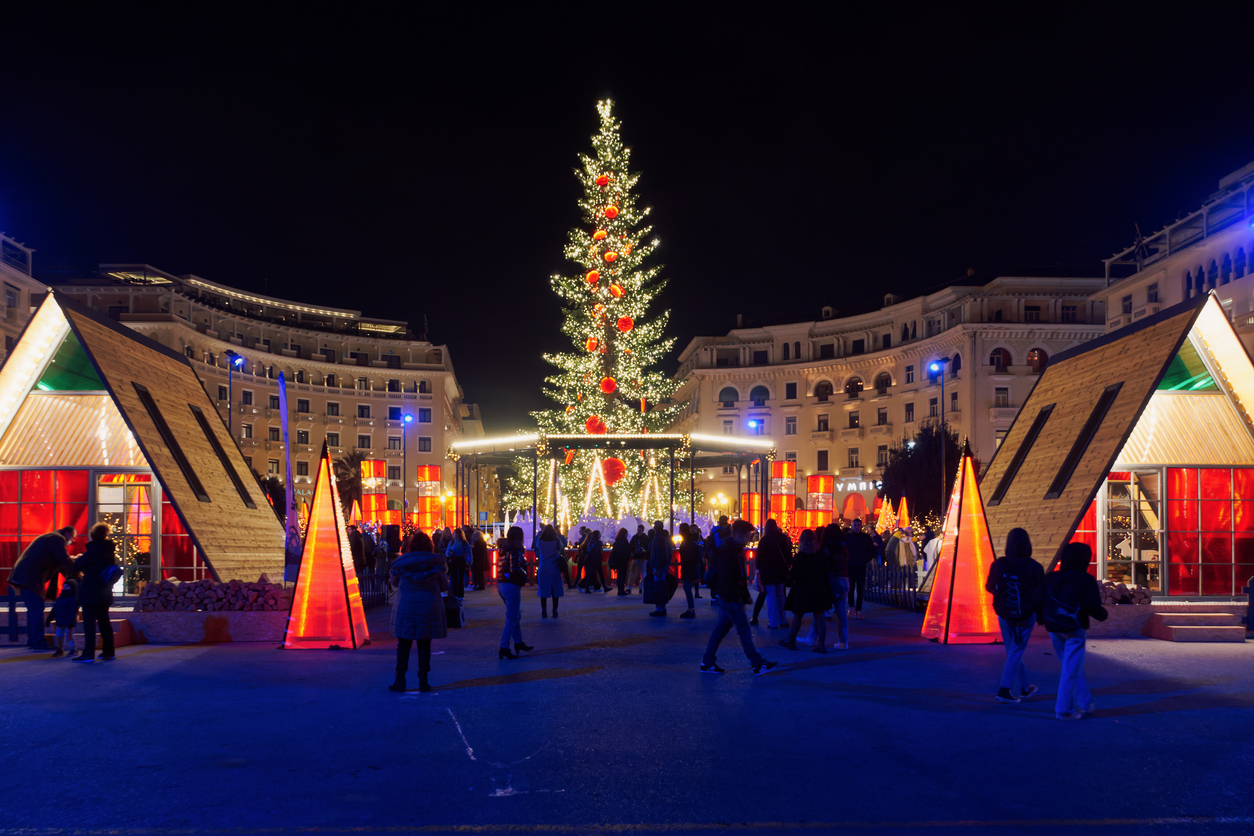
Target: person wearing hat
x=65, y=615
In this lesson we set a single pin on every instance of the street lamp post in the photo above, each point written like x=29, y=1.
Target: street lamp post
x=938, y=366
x=232, y=360
x=405, y=422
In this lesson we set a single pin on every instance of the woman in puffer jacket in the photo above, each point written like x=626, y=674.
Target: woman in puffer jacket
x=418, y=612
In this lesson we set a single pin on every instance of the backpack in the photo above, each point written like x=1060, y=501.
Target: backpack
x=1014, y=593
x=1062, y=608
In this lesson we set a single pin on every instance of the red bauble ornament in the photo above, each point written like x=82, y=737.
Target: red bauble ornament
x=591, y=344
x=593, y=276
x=598, y=309
x=608, y=385
x=594, y=425
x=603, y=180
x=611, y=257
x=626, y=323
x=613, y=470
x=611, y=212
x=616, y=291
x=599, y=235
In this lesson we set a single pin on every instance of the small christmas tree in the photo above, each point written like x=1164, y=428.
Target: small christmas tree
x=610, y=382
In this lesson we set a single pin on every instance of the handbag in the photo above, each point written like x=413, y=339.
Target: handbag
x=454, y=612
x=110, y=574
x=518, y=577
x=651, y=589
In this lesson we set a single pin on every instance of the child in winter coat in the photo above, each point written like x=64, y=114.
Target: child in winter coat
x=65, y=614
x=1065, y=601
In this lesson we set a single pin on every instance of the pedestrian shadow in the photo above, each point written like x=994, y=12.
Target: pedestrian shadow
x=597, y=644
x=519, y=677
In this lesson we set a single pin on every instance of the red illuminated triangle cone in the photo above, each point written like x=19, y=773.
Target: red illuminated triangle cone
x=959, y=611
x=326, y=607
x=903, y=513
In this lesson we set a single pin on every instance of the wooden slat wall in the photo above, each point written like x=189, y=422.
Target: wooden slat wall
x=1074, y=386
x=238, y=542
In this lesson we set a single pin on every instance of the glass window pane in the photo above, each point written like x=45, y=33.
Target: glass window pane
x=1243, y=482
x=74, y=514
x=1181, y=515
x=37, y=486
x=1182, y=548
x=1216, y=483
x=1243, y=515
x=1182, y=579
x=1181, y=483
x=1243, y=548
x=1216, y=548
x=1217, y=579
x=1244, y=574
x=9, y=485
x=1118, y=572
x=36, y=519
x=72, y=486
x=8, y=522
x=1216, y=516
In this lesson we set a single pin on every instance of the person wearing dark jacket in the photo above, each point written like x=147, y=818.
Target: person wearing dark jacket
x=479, y=562
x=861, y=550
x=94, y=594
x=620, y=559
x=38, y=564
x=1065, y=601
x=639, y=557
x=549, y=557
x=511, y=577
x=1013, y=580
x=726, y=578
x=658, y=567
x=689, y=566
x=418, y=615
x=593, y=553
x=65, y=615
x=774, y=559
x=811, y=592
x=355, y=549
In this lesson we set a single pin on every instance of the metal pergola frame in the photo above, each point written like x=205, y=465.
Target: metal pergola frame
x=696, y=451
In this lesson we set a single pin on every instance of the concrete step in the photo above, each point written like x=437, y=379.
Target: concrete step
x=1195, y=627
x=1199, y=619
x=1207, y=634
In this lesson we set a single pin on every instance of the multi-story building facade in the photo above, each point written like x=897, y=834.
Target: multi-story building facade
x=835, y=394
x=351, y=380
x=1211, y=248
x=22, y=293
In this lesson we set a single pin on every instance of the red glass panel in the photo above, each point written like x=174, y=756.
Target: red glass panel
x=1120, y=476
x=36, y=518
x=1217, y=579
x=1216, y=483
x=1089, y=521
x=8, y=553
x=1181, y=547
x=37, y=486
x=170, y=522
x=1216, y=548
x=1181, y=483
x=1181, y=515
x=72, y=514
x=8, y=521
x=1216, y=516
x=1242, y=515
x=72, y=485
x=9, y=480
x=1243, y=482
x=1182, y=579
x=77, y=546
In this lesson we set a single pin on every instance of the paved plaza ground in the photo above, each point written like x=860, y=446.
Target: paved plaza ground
x=608, y=726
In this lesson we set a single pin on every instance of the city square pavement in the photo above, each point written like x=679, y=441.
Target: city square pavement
x=608, y=726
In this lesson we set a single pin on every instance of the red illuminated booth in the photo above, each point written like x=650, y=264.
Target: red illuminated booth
x=100, y=424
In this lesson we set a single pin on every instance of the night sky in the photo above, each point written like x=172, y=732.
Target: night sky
x=407, y=165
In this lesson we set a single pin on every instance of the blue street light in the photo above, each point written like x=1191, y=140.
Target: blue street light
x=405, y=466
x=753, y=425
x=234, y=361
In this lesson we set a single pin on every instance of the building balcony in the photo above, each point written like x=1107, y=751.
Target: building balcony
x=274, y=446
x=852, y=473
x=365, y=422
x=304, y=419
x=851, y=433
x=1002, y=413
x=881, y=429
x=396, y=425
x=335, y=451
x=821, y=435
x=393, y=454
x=334, y=420
x=249, y=443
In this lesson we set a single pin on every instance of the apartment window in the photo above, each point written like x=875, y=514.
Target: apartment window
x=394, y=413
x=1038, y=360
x=909, y=413
x=394, y=472
x=302, y=468
x=820, y=462
x=273, y=468
x=759, y=358
x=998, y=437
x=790, y=391
x=10, y=296
x=821, y=426
x=302, y=436
x=822, y=391
x=1151, y=292
x=187, y=349
x=859, y=347
x=1031, y=313
x=363, y=441
x=790, y=456
x=881, y=416
x=330, y=379
x=953, y=401
x=302, y=406
x=333, y=409
x=827, y=351
x=363, y=382
x=729, y=470
x=784, y=352
x=729, y=428
x=854, y=422
x=275, y=434
x=424, y=387
x=999, y=359
x=363, y=410
x=886, y=341
x=728, y=397
x=790, y=425
x=853, y=457
x=424, y=444
x=932, y=409
x=333, y=439
x=245, y=430
x=1068, y=313
x=222, y=393
x=394, y=386
x=246, y=397
x=759, y=395
x=274, y=401
x=796, y=349
x=1001, y=397
x=424, y=415
x=909, y=374
x=394, y=442
x=1127, y=304
x=881, y=456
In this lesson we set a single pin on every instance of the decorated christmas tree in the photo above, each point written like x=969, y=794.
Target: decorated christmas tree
x=609, y=383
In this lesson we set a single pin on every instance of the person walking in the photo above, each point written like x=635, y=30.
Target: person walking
x=639, y=558
x=95, y=592
x=418, y=613
x=1065, y=602
x=837, y=558
x=549, y=558
x=590, y=561
x=726, y=577
x=860, y=549
x=479, y=562
x=354, y=548
x=811, y=592
x=459, y=556
x=39, y=563
x=1013, y=579
x=695, y=530
x=689, y=567
x=774, y=559
x=931, y=549
x=620, y=559
x=511, y=577
x=659, y=566
x=718, y=534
